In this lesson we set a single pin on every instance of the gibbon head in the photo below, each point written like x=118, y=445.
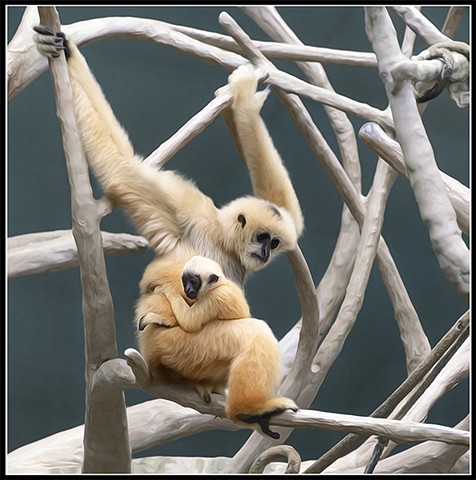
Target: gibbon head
x=257, y=230
x=199, y=275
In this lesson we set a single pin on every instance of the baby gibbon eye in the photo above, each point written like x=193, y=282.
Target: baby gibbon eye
x=212, y=279
x=242, y=220
x=274, y=243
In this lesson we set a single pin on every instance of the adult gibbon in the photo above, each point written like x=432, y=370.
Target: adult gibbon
x=179, y=222
x=230, y=350
x=170, y=211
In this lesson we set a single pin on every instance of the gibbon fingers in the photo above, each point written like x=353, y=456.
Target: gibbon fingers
x=179, y=221
x=227, y=349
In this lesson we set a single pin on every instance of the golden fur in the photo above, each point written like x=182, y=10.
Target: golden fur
x=164, y=301
x=228, y=349
x=179, y=222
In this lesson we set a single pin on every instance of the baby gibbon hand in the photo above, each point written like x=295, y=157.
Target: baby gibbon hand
x=156, y=310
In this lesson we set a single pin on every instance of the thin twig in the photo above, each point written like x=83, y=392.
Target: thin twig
x=349, y=442
x=417, y=393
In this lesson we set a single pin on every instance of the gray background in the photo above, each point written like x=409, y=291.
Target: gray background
x=154, y=89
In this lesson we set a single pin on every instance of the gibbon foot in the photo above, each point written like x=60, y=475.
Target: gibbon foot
x=50, y=43
x=263, y=420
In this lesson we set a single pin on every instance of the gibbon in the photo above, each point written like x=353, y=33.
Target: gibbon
x=170, y=211
x=228, y=350
x=179, y=221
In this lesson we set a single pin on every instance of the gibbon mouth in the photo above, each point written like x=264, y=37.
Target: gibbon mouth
x=259, y=257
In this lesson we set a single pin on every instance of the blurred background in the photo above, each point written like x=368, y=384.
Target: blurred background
x=154, y=90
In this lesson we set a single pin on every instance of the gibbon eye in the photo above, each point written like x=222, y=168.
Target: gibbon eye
x=242, y=220
x=263, y=237
x=212, y=279
x=274, y=243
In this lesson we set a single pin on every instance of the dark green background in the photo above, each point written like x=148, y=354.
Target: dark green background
x=154, y=90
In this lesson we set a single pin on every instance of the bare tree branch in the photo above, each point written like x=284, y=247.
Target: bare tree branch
x=435, y=208
x=392, y=402
x=390, y=150
x=420, y=24
x=274, y=453
x=36, y=253
x=106, y=436
x=107, y=376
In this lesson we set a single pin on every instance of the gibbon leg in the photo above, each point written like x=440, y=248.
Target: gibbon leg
x=254, y=377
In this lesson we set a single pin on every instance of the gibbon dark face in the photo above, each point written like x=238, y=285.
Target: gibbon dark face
x=199, y=274
x=257, y=230
x=267, y=243
x=191, y=285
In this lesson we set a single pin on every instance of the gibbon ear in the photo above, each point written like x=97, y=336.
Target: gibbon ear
x=213, y=279
x=242, y=220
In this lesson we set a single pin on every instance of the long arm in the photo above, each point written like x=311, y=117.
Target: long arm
x=160, y=203
x=269, y=177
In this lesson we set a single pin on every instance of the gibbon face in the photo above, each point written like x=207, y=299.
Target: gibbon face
x=199, y=275
x=257, y=230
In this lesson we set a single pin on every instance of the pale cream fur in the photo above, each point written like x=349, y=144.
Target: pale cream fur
x=169, y=210
x=179, y=222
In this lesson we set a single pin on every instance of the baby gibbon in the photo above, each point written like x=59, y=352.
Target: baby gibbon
x=229, y=350
x=170, y=211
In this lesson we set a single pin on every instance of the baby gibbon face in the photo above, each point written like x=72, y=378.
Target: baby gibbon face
x=257, y=230
x=199, y=275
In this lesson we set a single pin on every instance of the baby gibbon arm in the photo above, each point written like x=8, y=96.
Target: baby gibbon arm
x=206, y=295
x=269, y=177
x=225, y=301
x=154, y=308
x=160, y=203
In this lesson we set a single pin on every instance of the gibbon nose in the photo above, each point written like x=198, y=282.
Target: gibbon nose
x=191, y=285
x=265, y=249
x=265, y=240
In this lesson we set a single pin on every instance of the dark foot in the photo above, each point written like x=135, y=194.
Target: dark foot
x=263, y=420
